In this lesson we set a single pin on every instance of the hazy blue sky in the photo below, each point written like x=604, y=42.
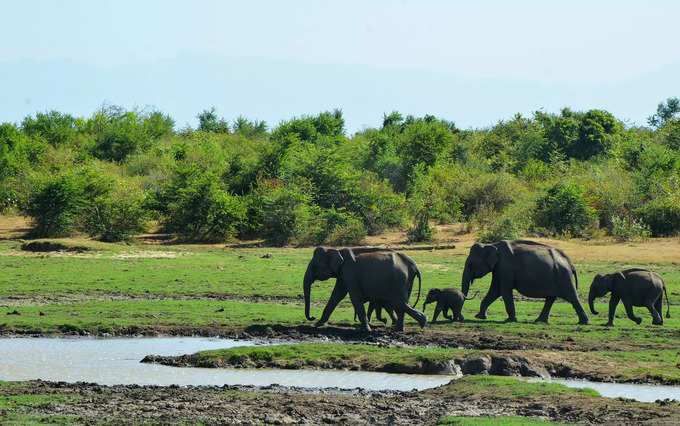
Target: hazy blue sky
x=470, y=62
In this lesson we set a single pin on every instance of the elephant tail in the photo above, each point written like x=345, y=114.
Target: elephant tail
x=419, y=286
x=668, y=304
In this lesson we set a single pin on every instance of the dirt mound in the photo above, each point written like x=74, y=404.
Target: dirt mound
x=48, y=246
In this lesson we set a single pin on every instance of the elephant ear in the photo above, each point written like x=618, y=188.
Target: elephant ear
x=335, y=261
x=491, y=256
x=348, y=254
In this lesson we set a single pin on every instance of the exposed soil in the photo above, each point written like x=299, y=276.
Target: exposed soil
x=48, y=246
x=132, y=404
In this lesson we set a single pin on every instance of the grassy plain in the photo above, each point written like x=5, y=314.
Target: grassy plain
x=221, y=290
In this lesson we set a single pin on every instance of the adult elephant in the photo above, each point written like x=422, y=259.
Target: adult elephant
x=633, y=287
x=531, y=268
x=368, y=275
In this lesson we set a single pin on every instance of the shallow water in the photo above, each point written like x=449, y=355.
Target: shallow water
x=116, y=361
x=643, y=393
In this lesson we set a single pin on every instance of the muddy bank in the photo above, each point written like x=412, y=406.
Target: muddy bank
x=515, y=366
x=89, y=403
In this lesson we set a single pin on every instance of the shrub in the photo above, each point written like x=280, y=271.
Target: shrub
x=662, y=216
x=564, y=210
x=117, y=216
x=55, y=203
x=282, y=212
x=208, y=122
x=57, y=128
x=351, y=232
x=193, y=205
x=626, y=228
x=497, y=229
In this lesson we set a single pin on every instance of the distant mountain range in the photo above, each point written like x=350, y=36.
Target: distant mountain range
x=277, y=90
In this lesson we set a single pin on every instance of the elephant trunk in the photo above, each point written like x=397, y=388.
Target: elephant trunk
x=467, y=280
x=307, y=287
x=591, y=300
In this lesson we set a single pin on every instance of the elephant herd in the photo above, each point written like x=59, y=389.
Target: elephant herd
x=384, y=278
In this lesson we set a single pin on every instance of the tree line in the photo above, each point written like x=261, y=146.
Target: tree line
x=306, y=181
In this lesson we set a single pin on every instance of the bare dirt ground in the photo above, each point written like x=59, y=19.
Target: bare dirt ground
x=91, y=403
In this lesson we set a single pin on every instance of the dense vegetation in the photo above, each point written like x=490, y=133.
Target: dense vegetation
x=306, y=181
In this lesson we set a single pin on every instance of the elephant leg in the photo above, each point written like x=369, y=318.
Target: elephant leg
x=418, y=316
x=509, y=305
x=437, y=310
x=630, y=313
x=613, y=302
x=545, y=313
x=358, y=303
x=657, y=319
x=493, y=294
x=659, y=307
x=339, y=293
x=399, y=325
x=369, y=313
x=582, y=316
x=446, y=314
x=378, y=314
x=461, y=318
x=390, y=312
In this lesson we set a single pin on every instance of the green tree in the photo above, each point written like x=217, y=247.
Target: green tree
x=564, y=209
x=209, y=122
x=664, y=112
x=57, y=128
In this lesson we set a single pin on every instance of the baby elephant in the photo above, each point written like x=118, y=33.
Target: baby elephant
x=633, y=287
x=447, y=298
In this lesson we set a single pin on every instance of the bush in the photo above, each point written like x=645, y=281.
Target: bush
x=193, y=205
x=55, y=203
x=351, y=232
x=662, y=216
x=55, y=127
x=117, y=216
x=499, y=229
x=564, y=210
x=626, y=228
x=282, y=212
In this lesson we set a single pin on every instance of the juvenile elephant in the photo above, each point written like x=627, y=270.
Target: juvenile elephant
x=633, y=287
x=378, y=307
x=531, y=268
x=447, y=298
x=377, y=275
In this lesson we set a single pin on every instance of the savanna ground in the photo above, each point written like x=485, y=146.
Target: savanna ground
x=154, y=286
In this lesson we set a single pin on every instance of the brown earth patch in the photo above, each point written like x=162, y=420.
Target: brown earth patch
x=285, y=405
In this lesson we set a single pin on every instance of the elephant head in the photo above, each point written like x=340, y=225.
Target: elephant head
x=326, y=263
x=481, y=260
x=601, y=285
x=432, y=296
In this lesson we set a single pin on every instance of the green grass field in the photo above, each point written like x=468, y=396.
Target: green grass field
x=119, y=289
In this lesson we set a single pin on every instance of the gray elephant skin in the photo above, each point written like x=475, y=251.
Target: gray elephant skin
x=633, y=287
x=377, y=307
x=533, y=269
x=446, y=299
x=368, y=275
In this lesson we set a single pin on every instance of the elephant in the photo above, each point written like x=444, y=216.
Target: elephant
x=633, y=287
x=447, y=298
x=533, y=269
x=378, y=307
x=368, y=275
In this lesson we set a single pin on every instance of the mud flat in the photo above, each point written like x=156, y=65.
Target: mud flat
x=83, y=403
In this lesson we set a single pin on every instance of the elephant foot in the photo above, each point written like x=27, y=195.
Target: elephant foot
x=480, y=316
x=423, y=322
x=609, y=324
x=513, y=319
x=383, y=320
x=638, y=321
x=657, y=322
x=541, y=320
x=583, y=321
x=319, y=323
